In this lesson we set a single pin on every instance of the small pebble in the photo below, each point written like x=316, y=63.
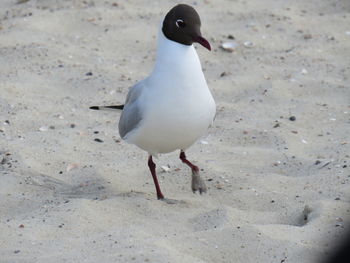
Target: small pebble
x=165, y=168
x=43, y=128
x=229, y=46
x=223, y=74
x=248, y=44
x=304, y=71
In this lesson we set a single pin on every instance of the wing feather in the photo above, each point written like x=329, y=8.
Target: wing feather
x=131, y=115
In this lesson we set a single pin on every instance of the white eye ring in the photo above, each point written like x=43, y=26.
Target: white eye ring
x=180, y=23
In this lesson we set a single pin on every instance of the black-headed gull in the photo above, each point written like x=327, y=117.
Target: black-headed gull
x=173, y=107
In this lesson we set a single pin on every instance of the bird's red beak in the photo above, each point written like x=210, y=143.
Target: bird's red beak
x=201, y=40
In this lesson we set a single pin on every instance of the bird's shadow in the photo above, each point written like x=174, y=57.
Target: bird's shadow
x=92, y=188
x=83, y=183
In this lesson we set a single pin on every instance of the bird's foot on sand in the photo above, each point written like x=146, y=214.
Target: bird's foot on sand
x=197, y=182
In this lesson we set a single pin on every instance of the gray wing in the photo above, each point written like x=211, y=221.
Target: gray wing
x=131, y=115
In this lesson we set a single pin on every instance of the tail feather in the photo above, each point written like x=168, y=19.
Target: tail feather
x=112, y=107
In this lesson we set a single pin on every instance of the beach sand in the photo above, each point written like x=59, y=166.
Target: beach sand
x=278, y=187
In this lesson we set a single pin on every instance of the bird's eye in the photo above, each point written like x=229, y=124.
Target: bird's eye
x=180, y=23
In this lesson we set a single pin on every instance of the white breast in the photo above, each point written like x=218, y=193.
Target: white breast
x=176, y=102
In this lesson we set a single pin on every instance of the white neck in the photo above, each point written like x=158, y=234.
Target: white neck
x=175, y=58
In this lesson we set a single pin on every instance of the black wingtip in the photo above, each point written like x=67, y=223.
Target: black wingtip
x=94, y=108
x=116, y=107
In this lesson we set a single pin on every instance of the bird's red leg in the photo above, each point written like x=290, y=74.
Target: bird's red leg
x=152, y=168
x=194, y=168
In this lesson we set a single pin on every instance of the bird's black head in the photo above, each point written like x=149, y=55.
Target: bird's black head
x=182, y=24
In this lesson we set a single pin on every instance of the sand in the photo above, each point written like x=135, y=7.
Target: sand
x=278, y=188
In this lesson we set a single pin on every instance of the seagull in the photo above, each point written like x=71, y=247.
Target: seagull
x=173, y=107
